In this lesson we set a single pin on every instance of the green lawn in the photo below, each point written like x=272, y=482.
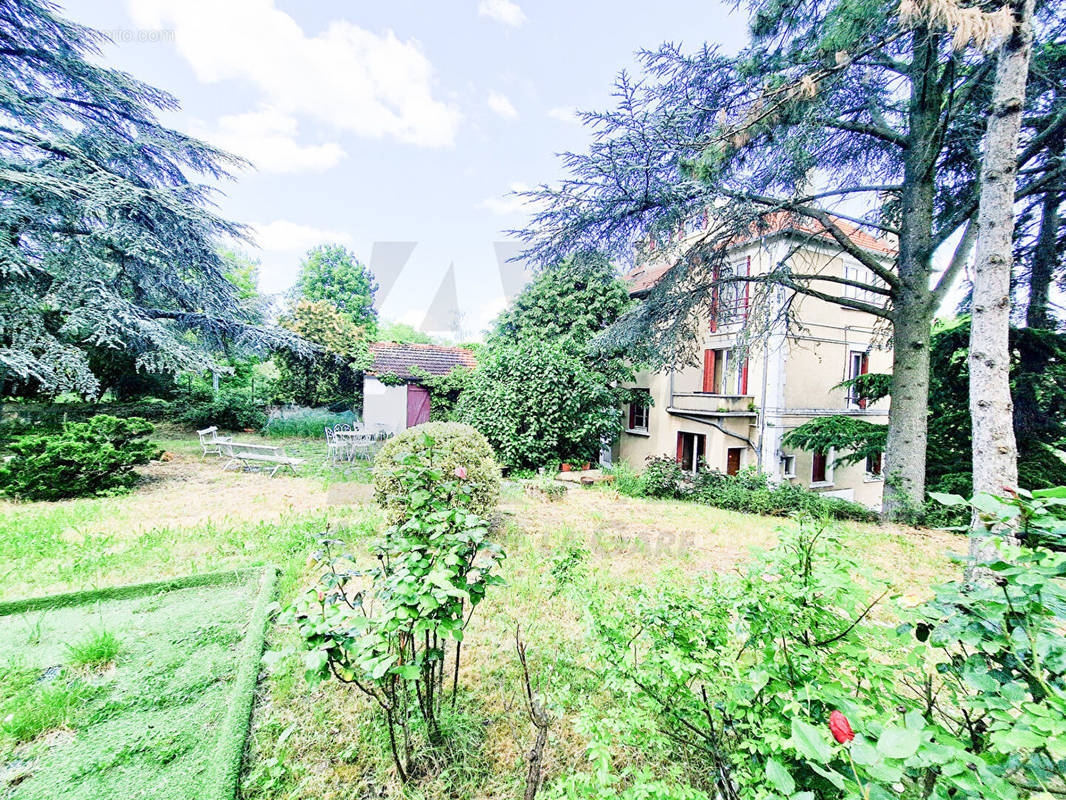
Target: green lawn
x=320, y=742
x=130, y=693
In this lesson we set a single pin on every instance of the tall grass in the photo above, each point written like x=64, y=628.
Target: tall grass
x=305, y=422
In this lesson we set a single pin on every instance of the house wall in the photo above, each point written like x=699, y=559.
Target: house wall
x=384, y=405
x=791, y=375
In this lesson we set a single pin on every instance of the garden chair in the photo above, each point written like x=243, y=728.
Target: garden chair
x=211, y=442
x=334, y=447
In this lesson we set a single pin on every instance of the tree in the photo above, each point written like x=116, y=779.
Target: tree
x=882, y=108
x=333, y=374
x=574, y=300
x=995, y=451
x=108, y=240
x=332, y=273
x=537, y=402
x=401, y=333
x=541, y=391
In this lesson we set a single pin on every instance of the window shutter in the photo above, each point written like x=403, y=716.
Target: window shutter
x=744, y=377
x=747, y=301
x=632, y=415
x=864, y=369
x=680, y=447
x=708, y=370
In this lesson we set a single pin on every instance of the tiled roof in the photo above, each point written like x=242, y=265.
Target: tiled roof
x=398, y=359
x=645, y=276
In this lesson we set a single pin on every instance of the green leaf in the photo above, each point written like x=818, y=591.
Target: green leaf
x=779, y=777
x=898, y=742
x=946, y=499
x=810, y=741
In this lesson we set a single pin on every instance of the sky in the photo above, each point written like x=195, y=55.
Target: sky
x=399, y=128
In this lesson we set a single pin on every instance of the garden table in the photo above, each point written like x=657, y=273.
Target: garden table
x=357, y=440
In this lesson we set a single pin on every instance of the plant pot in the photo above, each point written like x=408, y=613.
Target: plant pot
x=249, y=430
x=564, y=467
x=587, y=466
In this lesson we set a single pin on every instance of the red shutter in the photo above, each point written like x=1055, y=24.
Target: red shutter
x=680, y=447
x=818, y=463
x=744, y=378
x=708, y=370
x=632, y=415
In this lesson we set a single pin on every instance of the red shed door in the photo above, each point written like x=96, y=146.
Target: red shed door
x=417, y=405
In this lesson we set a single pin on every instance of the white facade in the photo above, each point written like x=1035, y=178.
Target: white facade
x=384, y=405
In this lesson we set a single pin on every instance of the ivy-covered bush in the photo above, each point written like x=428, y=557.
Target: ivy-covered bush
x=748, y=491
x=86, y=458
x=457, y=449
x=230, y=411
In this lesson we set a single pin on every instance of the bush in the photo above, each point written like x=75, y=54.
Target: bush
x=748, y=491
x=20, y=419
x=454, y=445
x=306, y=422
x=87, y=458
x=231, y=411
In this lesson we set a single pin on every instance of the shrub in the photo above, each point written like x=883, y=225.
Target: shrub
x=96, y=650
x=388, y=629
x=748, y=491
x=306, y=422
x=86, y=458
x=453, y=445
x=536, y=401
x=231, y=411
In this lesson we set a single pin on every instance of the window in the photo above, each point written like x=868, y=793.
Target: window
x=724, y=372
x=691, y=450
x=788, y=466
x=858, y=364
x=875, y=466
x=821, y=471
x=639, y=413
x=730, y=301
x=857, y=272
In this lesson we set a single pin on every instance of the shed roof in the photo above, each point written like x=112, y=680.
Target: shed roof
x=398, y=359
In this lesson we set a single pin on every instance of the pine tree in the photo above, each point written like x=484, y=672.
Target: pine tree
x=107, y=236
x=883, y=109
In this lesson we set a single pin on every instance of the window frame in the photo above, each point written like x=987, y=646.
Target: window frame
x=637, y=410
x=827, y=471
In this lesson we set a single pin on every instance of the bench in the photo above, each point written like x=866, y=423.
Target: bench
x=246, y=455
x=210, y=441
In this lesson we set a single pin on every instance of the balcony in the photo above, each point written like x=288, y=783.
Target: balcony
x=719, y=405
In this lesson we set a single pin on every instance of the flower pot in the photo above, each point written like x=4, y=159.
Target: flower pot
x=587, y=466
x=564, y=467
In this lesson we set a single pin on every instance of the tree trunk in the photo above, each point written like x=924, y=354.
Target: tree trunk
x=1027, y=416
x=1045, y=259
x=995, y=452
x=913, y=312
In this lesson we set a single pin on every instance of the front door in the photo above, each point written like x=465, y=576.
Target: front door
x=417, y=405
x=732, y=460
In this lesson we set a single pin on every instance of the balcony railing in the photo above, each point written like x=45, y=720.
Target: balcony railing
x=706, y=403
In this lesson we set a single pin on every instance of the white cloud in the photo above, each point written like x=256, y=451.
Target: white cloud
x=509, y=203
x=500, y=104
x=564, y=114
x=282, y=236
x=353, y=79
x=267, y=138
x=504, y=11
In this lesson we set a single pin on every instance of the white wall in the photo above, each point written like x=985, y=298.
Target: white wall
x=384, y=405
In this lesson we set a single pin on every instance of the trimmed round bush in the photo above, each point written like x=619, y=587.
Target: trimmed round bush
x=455, y=445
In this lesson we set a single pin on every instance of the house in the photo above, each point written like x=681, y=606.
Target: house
x=393, y=395
x=732, y=409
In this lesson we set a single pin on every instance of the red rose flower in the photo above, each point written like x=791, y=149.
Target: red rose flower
x=840, y=728
x=460, y=473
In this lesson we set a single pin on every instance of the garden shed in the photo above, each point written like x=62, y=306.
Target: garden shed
x=394, y=396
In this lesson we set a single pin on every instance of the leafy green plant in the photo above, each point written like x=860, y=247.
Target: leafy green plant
x=39, y=708
x=97, y=649
x=748, y=491
x=454, y=446
x=388, y=629
x=233, y=410
x=569, y=566
x=86, y=458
